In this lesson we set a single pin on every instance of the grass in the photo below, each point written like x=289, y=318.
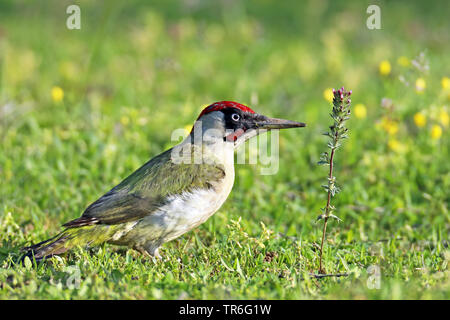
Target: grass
x=136, y=72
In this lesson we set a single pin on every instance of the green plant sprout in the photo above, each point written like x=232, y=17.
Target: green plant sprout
x=340, y=114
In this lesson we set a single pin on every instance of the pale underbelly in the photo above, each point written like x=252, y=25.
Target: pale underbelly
x=181, y=214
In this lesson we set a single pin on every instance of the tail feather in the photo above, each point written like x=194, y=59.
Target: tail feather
x=73, y=236
x=48, y=248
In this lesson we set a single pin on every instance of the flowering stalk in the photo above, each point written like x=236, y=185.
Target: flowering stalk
x=340, y=114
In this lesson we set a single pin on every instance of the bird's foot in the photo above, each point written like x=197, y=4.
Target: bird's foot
x=152, y=255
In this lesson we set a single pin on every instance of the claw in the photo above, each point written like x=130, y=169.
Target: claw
x=149, y=253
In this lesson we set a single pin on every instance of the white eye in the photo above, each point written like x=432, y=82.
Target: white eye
x=235, y=117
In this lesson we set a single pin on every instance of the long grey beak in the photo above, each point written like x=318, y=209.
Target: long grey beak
x=274, y=123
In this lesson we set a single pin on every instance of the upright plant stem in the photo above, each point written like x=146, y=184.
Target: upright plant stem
x=327, y=209
x=321, y=245
x=340, y=114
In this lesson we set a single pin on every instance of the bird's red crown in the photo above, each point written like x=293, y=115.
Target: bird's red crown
x=217, y=106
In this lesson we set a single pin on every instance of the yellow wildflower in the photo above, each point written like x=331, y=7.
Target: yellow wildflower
x=360, y=111
x=420, y=120
x=395, y=145
x=328, y=94
x=420, y=85
x=436, y=132
x=444, y=118
x=384, y=67
x=445, y=82
x=403, y=61
x=57, y=94
x=390, y=126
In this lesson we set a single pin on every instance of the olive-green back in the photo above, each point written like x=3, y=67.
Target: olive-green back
x=148, y=188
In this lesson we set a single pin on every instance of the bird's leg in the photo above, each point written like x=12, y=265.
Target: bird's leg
x=156, y=254
x=150, y=252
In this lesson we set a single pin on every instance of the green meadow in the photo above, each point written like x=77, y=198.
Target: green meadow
x=82, y=109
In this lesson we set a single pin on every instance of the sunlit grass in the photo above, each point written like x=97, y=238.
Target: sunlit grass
x=80, y=110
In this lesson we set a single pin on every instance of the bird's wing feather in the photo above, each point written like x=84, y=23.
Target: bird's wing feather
x=146, y=189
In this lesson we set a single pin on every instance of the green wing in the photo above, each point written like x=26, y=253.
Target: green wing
x=147, y=188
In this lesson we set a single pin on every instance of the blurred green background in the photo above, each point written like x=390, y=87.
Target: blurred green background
x=81, y=109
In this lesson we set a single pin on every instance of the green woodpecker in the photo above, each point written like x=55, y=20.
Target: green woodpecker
x=172, y=193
